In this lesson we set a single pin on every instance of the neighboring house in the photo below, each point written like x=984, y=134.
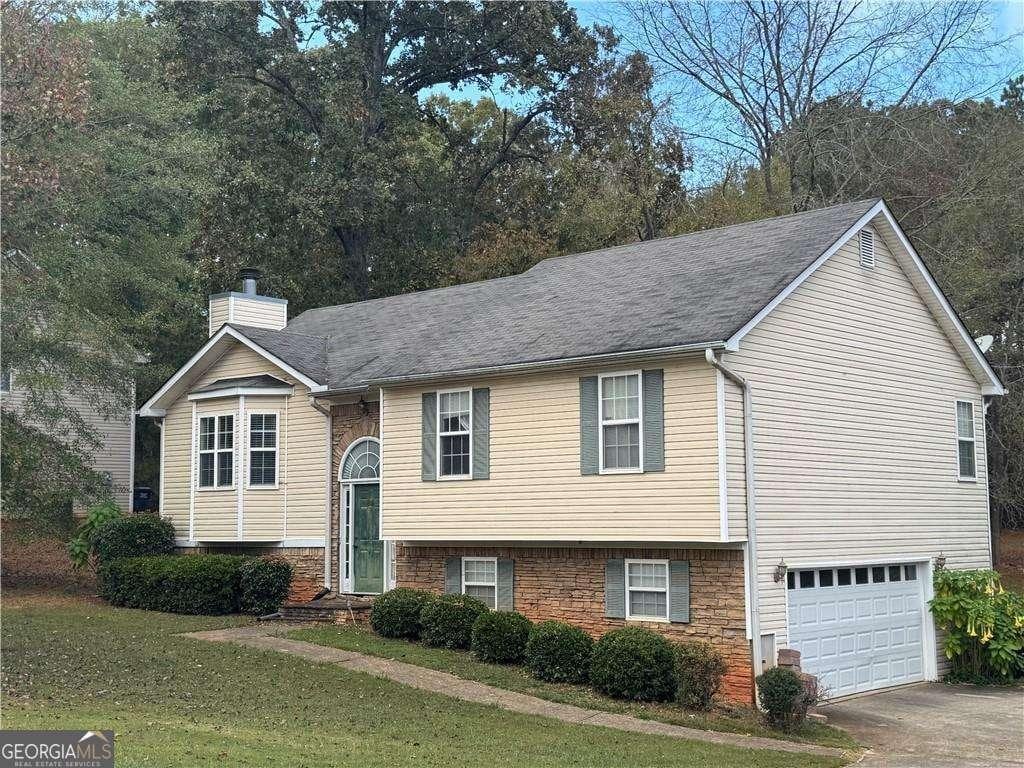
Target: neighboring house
x=764, y=436
x=114, y=458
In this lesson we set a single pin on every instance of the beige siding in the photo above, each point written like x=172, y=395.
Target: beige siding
x=854, y=411
x=735, y=453
x=535, y=491
x=114, y=454
x=219, y=313
x=295, y=509
x=262, y=314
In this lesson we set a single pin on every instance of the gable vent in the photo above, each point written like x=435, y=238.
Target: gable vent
x=867, y=248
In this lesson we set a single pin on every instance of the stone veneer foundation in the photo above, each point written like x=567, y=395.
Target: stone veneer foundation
x=308, y=562
x=567, y=583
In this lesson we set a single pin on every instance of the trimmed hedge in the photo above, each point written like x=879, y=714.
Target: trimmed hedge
x=193, y=584
x=396, y=613
x=783, y=697
x=634, y=663
x=700, y=668
x=447, y=621
x=558, y=652
x=500, y=637
x=133, y=536
x=264, y=584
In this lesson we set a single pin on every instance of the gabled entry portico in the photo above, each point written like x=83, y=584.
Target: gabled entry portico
x=363, y=556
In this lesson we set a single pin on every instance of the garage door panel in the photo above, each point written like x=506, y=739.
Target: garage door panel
x=858, y=636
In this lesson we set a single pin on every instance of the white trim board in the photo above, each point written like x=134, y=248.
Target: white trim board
x=152, y=406
x=280, y=543
x=953, y=326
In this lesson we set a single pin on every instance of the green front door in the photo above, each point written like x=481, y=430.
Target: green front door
x=367, y=548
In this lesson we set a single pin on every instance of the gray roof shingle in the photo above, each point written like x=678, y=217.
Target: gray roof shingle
x=695, y=288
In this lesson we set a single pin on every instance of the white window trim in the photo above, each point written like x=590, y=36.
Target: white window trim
x=668, y=592
x=276, y=450
x=973, y=440
x=481, y=583
x=601, y=423
x=440, y=434
x=233, y=450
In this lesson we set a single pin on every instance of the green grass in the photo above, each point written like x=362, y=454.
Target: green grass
x=177, y=701
x=513, y=678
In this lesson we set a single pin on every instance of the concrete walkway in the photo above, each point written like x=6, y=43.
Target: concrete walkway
x=269, y=637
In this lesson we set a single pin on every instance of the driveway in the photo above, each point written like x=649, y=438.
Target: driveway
x=932, y=724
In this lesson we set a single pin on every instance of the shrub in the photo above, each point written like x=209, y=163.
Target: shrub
x=80, y=546
x=500, y=637
x=133, y=536
x=558, y=652
x=264, y=583
x=447, y=621
x=634, y=663
x=396, y=613
x=984, y=625
x=194, y=584
x=784, y=698
x=699, y=671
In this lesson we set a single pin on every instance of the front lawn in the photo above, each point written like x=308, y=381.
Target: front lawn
x=513, y=678
x=177, y=701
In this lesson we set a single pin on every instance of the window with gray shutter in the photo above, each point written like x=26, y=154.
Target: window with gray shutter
x=506, y=585
x=615, y=588
x=481, y=433
x=429, y=429
x=589, y=441
x=654, y=420
x=679, y=591
x=453, y=575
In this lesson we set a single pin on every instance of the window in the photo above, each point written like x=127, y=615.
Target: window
x=216, y=451
x=894, y=572
x=910, y=572
x=843, y=577
x=791, y=579
x=966, y=463
x=867, y=248
x=454, y=433
x=806, y=579
x=262, y=449
x=647, y=589
x=878, y=574
x=480, y=579
x=825, y=578
x=620, y=423
x=861, y=575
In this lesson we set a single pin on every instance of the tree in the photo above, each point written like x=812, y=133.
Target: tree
x=769, y=64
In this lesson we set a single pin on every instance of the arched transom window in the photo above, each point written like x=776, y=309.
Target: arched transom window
x=362, y=461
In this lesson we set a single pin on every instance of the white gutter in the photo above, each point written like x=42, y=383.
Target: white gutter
x=751, y=498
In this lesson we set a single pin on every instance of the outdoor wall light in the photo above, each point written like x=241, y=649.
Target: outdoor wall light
x=780, y=571
x=940, y=562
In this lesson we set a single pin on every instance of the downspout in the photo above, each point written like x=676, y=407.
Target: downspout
x=751, y=499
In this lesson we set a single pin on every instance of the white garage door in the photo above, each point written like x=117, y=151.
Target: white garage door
x=859, y=628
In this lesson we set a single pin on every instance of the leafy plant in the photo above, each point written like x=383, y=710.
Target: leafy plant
x=80, y=548
x=448, y=620
x=500, y=636
x=396, y=613
x=133, y=536
x=983, y=622
x=699, y=671
x=783, y=697
x=559, y=652
x=264, y=583
x=634, y=663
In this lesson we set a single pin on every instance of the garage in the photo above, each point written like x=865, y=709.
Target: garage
x=858, y=628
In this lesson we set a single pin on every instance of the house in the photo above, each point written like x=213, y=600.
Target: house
x=113, y=457
x=766, y=436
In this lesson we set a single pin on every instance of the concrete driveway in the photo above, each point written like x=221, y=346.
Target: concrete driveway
x=933, y=724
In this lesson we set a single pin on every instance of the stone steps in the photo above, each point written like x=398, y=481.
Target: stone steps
x=331, y=609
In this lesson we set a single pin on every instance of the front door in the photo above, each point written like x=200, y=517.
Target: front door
x=367, y=548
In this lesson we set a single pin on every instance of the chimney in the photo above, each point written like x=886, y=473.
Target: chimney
x=247, y=307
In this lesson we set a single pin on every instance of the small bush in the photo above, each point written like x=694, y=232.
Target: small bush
x=634, y=663
x=558, y=652
x=80, y=546
x=193, y=584
x=133, y=536
x=500, y=637
x=783, y=696
x=396, y=613
x=264, y=583
x=699, y=671
x=447, y=621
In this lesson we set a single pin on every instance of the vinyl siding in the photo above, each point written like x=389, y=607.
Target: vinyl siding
x=295, y=509
x=113, y=455
x=854, y=388
x=736, y=458
x=237, y=308
x=219, y=312
x=535, y=491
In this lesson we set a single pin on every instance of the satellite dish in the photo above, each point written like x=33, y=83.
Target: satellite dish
x=985, y=342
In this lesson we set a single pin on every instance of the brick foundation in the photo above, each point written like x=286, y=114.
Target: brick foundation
x=568, y=584
x=308, y=562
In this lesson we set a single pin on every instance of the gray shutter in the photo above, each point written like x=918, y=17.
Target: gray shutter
x=506, y=583
x=589, y=459
x=615, y=588
x=679, y=590
x=481, y=433
x=654, y=420
x=453, y=575
x=429, y=435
